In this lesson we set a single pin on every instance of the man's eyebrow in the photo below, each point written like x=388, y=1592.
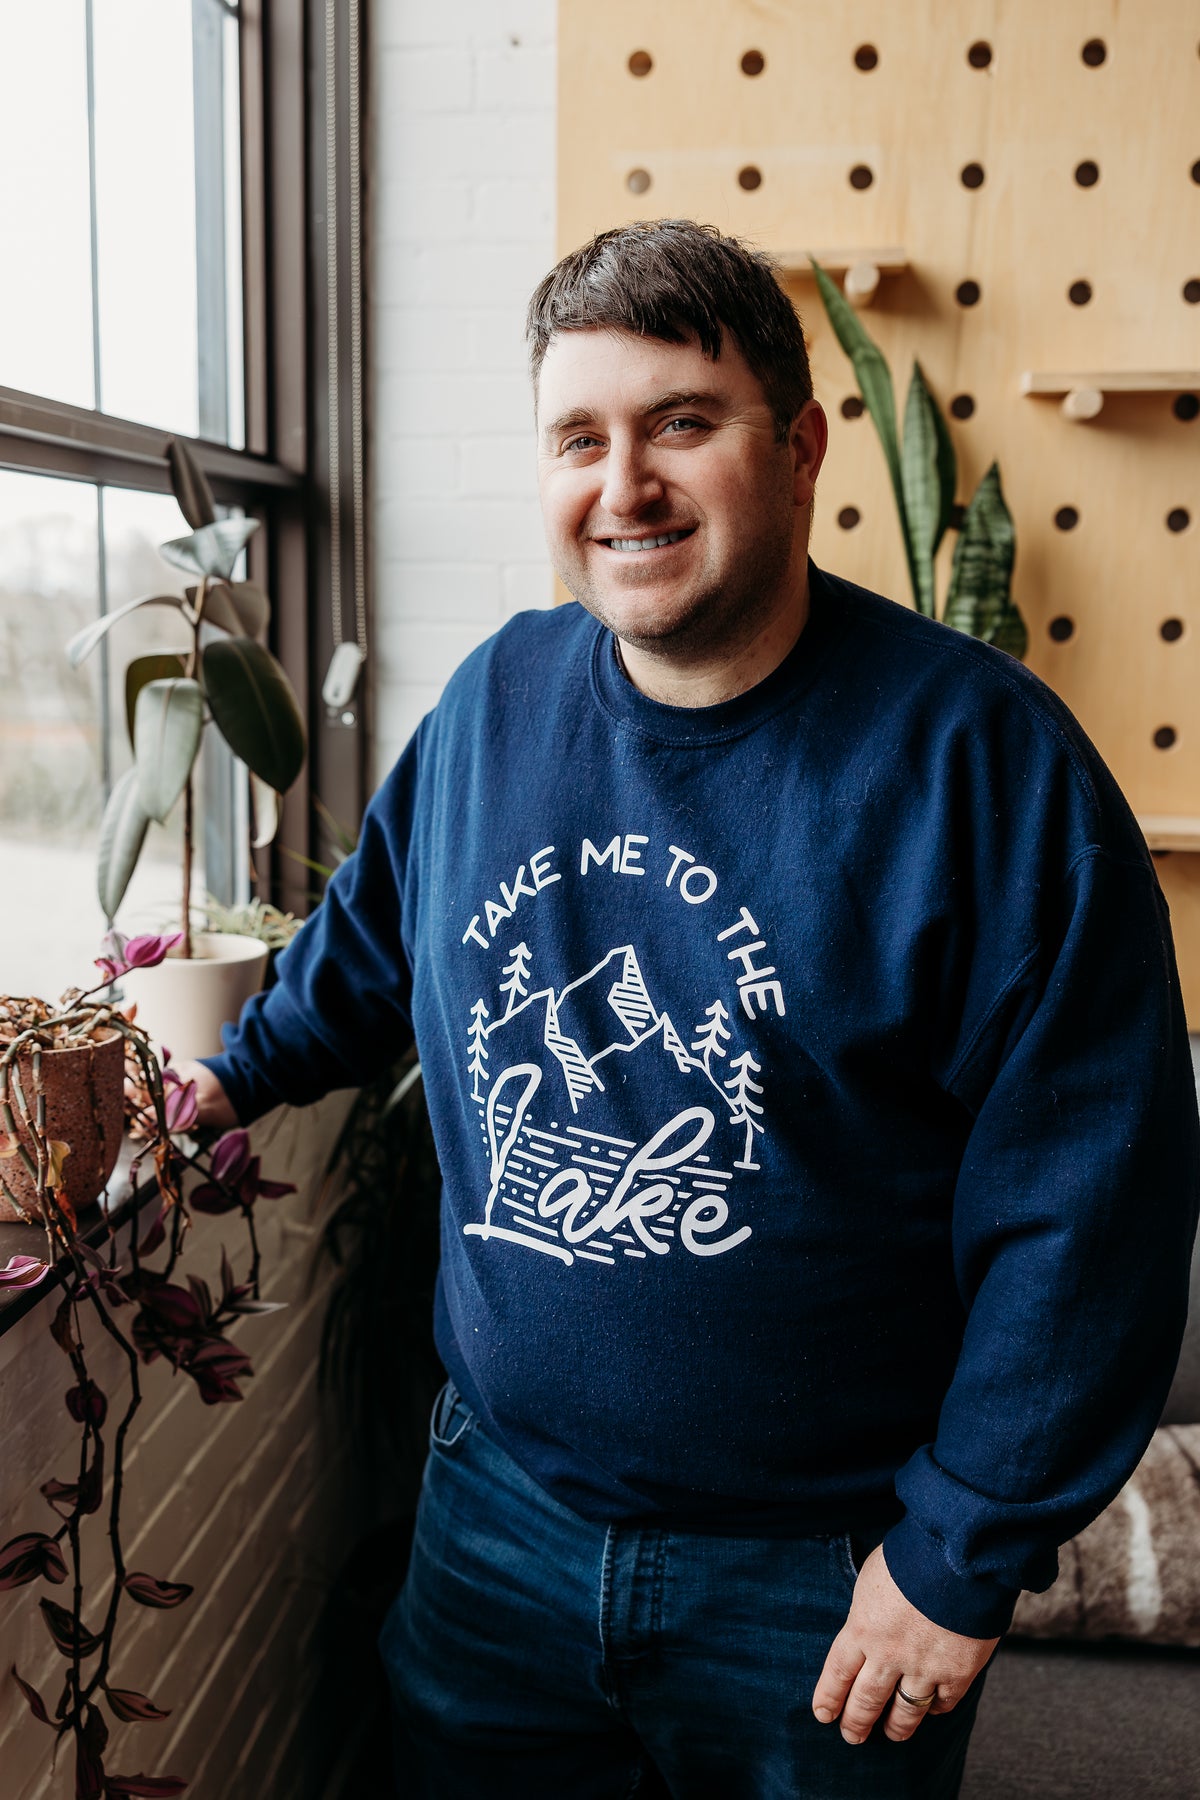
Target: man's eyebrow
x=676, y=397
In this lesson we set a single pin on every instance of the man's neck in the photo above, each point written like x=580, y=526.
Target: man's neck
x=710, y=677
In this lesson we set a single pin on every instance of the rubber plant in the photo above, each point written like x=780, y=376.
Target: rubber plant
x=924, y=473
x=230, y=681
x=147, y=1312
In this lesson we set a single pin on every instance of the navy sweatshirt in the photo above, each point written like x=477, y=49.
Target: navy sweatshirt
x=809, y=1079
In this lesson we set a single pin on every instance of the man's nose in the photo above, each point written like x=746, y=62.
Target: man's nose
x=631, y=482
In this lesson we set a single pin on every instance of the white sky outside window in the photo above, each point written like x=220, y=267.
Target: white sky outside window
x=46, y=291
x=146, y=211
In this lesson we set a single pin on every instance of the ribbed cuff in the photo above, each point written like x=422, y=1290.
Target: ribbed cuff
x=973, y=1605
x=249, y=1100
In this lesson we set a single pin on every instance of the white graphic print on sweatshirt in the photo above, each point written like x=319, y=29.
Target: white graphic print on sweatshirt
x=559, y=1185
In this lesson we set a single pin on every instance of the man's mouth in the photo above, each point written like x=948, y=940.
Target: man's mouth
x=630, y=546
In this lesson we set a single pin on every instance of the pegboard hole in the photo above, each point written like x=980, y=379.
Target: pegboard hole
x=852, y=407
x=1171, y=630
x=962, y=406
x=972, y=175
x=641, y=62
x=750, y=178
x=861, y=176
x=849, y=517
x=866, y=57
x=753, y=63
x=1087, y=174
x=1196, y=171
x=1079, y=293
x=1062, y=628
x=638, y=180
x=1066, y=518
x=968, y=293
x=1164, y=737
x=1178, y=519
x=1191, y=291
x=1094, y=52
x=980, y=54
x=1186, y=407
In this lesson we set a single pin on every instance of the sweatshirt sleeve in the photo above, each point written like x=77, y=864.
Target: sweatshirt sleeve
x=1074, y=1215
x=339, y=1011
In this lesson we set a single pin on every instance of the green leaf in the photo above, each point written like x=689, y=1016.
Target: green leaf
x=85, y=641
x=875, y=385
x=1011, y=634
x=255, y=710
x=980, y=600
x=190, y=486
x=212, y=550
x=164, y=666
x=122, y=833
x=265, y=810
x=947, y=470
x=922, y=489
x=166, y=736
x=238, y=607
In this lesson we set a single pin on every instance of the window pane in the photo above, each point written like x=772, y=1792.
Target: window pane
x=46, y=293
x=60, y=726
x=146, y=211
x=170, y=305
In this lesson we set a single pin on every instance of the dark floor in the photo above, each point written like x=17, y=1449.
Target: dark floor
x=1060, y=1722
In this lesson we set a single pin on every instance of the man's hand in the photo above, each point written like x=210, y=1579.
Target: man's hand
x=212, y=1102
x=885, y=1644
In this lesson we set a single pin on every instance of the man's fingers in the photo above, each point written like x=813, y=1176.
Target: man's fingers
x=837, y=1677
x=871, y=1694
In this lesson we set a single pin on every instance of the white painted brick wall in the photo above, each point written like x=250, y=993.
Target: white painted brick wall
x=461, y=211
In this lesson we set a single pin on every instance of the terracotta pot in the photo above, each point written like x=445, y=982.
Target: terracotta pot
x=183, y=1003
x=85, y=1089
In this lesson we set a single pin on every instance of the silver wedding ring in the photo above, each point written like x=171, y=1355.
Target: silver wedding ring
x=912, y=1700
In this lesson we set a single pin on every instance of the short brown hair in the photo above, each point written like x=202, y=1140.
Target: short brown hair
x=677, y=280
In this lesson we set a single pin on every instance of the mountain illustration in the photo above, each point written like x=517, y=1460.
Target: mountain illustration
x=593, y=1024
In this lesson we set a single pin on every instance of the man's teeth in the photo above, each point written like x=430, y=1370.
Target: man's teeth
x=647, y=543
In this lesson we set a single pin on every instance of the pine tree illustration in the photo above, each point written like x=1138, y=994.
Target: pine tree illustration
x=479, y=1013
x=711, y=1036
x=517, y=970
x=746, y=1111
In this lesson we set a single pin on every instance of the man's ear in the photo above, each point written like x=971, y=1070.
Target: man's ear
x=808, y=440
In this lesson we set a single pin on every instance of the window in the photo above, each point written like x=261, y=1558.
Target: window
x=154, y=287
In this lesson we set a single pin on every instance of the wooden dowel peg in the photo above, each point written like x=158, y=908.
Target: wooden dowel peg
x=1082, y=403
x=861, y=281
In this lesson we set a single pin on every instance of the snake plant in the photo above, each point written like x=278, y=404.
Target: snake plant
x=923, y=471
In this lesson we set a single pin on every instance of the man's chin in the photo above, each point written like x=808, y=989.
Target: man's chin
x=643, y=627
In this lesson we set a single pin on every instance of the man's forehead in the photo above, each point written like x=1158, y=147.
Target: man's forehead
x=593, y=369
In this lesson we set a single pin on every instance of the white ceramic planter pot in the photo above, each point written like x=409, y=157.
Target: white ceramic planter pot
x=183, y=1004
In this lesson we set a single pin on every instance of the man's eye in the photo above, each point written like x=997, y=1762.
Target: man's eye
x=676, y=426
x=580, y=443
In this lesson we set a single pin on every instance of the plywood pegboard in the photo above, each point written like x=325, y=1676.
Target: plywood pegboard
x=1107, y=512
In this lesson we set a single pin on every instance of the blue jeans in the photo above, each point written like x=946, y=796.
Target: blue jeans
x=533, y=1654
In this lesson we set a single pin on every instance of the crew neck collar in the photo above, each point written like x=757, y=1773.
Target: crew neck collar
x=617, y=696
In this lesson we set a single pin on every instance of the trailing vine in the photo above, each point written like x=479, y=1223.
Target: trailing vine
x=184, y=1322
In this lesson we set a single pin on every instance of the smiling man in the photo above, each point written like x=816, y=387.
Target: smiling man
x=804, y=1051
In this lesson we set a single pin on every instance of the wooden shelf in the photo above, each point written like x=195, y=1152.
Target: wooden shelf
x=1170, y=831
x=860, y=269
x=836, y=262
x=1111, y=381
x=1083, y=393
